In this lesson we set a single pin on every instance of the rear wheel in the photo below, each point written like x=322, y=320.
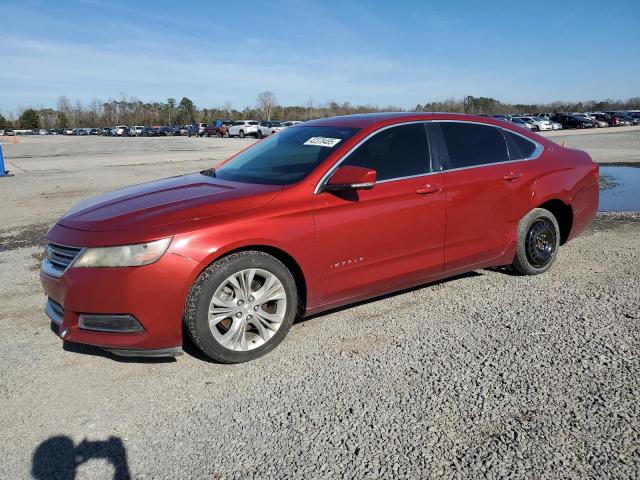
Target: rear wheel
x=538, y=242
x=241, y=307
x=241, y=134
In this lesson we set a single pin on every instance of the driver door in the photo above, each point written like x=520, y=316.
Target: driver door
x=377, y=240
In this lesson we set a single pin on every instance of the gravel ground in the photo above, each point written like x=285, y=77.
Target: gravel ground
x=614, y=146
x=485, y=375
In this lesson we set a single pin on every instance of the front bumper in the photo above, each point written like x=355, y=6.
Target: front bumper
x=154, y=295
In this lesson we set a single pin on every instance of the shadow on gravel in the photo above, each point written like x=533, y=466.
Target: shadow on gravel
x=98, y=352
x=390, y=295
x=58, y=458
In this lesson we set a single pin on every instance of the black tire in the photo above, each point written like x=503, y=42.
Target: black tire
x=241, y=133
x=538, y=242
x=197, y=304
x=259, y=134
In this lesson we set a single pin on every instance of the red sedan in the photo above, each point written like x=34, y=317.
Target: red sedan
x=324, y=214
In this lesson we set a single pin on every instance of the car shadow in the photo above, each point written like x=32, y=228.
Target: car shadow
x=59, y=458
x=390, y=295
x=98, y=352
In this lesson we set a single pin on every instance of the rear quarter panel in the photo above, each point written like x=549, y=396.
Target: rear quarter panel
x=568, y=175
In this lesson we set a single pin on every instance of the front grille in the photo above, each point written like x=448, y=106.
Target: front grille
x=54, y=311
x=58, y=258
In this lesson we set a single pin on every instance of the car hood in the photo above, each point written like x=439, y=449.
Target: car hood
x=167, y=201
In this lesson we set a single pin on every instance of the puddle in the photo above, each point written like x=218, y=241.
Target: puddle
x=619, y=189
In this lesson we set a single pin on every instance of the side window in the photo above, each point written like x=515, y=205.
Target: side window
x=396, y=152
x=470, y=144
x=519, y=147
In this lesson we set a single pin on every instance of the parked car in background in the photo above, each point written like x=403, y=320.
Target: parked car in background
x=216, y=129
x=291, y=123
x=42, y=131
x=539, y=124
x=627, y=118
x=106, y=131
x=600, y=116
x=136, y=130
x=623, y=120
x=294, y=225
x=148, y=132
x=244, y=128
x=570, y=121
x=266, y=128
x=68, y=131
x=524, y=124
x=121, y=131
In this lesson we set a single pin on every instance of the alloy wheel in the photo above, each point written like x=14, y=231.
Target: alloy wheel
x=247, y=309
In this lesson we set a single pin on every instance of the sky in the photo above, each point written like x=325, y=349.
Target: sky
x=381, y=53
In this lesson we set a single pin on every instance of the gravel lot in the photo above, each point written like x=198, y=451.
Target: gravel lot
x=487, y=374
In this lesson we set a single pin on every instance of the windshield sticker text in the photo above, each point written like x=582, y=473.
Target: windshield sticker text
x=322, y=142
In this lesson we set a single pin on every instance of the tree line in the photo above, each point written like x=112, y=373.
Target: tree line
x=132, y=111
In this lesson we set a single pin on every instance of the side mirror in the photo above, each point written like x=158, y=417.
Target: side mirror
x=351, y=177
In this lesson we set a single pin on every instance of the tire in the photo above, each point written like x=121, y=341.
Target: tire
x=538, y=242
x=259, y=134
x=226, y=134
x=241, y=134
x=218, y=134
x=214, y=281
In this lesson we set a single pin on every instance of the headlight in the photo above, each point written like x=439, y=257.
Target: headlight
x=124, y=255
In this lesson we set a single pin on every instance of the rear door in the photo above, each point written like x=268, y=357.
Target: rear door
x=489, y=187
x=376, y=240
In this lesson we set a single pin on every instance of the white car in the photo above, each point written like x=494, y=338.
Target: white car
x=120, y=130
x=42, y=131
x=243, y=128
x=539, y=123
x=137, y=130
x=266, y=128
x=556, y=125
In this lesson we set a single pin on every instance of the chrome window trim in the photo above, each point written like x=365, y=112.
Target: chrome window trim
x=539, y=148
x=535, y=154
x=333, y=168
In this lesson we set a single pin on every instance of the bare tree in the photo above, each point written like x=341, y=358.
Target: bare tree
x=266, y=103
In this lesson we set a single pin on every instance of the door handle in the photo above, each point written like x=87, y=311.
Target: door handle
x=512, y=176
x=429, y=189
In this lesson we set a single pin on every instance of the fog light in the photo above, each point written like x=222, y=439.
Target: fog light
x=109, y=323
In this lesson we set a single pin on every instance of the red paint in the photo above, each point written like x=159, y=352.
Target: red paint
x=348, y=246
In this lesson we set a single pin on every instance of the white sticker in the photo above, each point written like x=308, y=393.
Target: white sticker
x=322, y=141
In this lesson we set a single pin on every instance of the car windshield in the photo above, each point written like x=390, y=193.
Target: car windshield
x=285, y=158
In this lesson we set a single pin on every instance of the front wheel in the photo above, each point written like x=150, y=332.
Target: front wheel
x=259, y=134
x=538, y=242
x=241, y=134
x=241, y=307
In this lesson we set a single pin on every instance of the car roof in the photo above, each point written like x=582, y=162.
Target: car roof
x=372, y=119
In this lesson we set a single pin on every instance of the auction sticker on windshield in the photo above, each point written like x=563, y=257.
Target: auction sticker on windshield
x=322, y=142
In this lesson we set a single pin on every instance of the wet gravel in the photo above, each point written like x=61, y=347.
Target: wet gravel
x=485, y=375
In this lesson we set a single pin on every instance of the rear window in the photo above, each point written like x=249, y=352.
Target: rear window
x=470, y=144
x=519, y=147
x=252, y=123
x=285, y=158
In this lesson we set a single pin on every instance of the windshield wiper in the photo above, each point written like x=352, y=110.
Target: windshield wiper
x=209, y=172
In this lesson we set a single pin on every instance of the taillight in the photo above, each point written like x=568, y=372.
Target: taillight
x=596, y=171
